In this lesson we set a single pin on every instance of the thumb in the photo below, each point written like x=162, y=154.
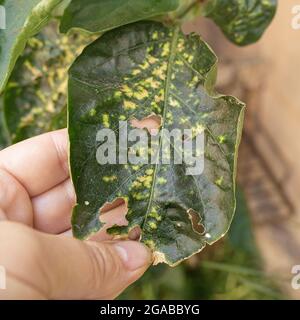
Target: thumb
x=58, y=267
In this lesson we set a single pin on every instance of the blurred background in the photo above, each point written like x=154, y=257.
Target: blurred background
x=254, y=261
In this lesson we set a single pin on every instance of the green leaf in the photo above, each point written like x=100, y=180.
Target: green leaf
x=104, y=15
x=131, y=73
x=23, y=20
x=35, y=96
x=4, y=137
x=242, y=21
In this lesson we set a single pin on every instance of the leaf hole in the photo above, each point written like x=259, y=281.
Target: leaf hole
x=152, y=123
x=114, y=213
x=112, y=205
x=196, y=221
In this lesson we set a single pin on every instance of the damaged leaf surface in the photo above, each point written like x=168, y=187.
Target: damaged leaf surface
x=131, y=73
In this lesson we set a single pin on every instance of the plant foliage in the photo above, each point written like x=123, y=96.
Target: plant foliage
x=135, y=69
x=141, y=70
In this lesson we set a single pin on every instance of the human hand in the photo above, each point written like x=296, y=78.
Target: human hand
x=36, y=193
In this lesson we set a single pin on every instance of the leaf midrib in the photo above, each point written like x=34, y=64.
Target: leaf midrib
x=166, y=89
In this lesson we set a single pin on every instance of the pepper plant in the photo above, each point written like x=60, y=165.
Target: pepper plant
x=136, y=63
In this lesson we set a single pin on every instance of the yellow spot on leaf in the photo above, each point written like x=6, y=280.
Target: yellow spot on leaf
x=166, y=49
x=92, y=112
x=173, y=102
x=129, y=105
x=152, y=59
x=149, y=243
x=105, y=119
x=161, y=180
x=128, y=91
x=145, y=65
x=221, y=139
x=219, y=181
x=155, y=35
x=136, y=72
x=149, y=172
x=109, y=178
x=155, y=215
x=141, y=93
x=152, y=225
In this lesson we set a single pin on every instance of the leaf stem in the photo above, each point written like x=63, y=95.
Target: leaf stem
x=186, y=10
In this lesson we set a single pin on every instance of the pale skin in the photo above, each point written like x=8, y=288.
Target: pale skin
x=41, y=258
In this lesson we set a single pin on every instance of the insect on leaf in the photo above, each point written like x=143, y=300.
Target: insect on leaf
x=134, y=72
x=23, y=20
x=100, y=16
x=242, y=21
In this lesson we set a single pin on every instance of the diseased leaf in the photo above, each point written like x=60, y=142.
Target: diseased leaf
x=24, y=18
x=35, y=97
x=104, y=15
x=133, y=72
x=242, y=21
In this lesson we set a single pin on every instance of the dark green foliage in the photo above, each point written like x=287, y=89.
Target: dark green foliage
x=242, y=21
x=104, y=15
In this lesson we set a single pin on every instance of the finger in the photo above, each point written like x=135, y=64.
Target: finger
x=39, y=163
x=2, y=215
x=63, y=268
x=15, y=203
x=52, y=209
x=110, y=218
x=52, y=212
x=115, y=216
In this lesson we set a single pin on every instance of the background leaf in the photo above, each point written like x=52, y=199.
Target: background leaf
x=133, y=72
x=24, y=18
x=242, y=21
x=35, y=96
x=103, y=15
x=4, y=137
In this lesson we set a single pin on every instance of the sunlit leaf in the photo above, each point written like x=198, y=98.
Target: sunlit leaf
x=24, y=18
x=103, y=15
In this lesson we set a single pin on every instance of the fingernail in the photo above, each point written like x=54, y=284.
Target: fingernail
x=134, y=255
